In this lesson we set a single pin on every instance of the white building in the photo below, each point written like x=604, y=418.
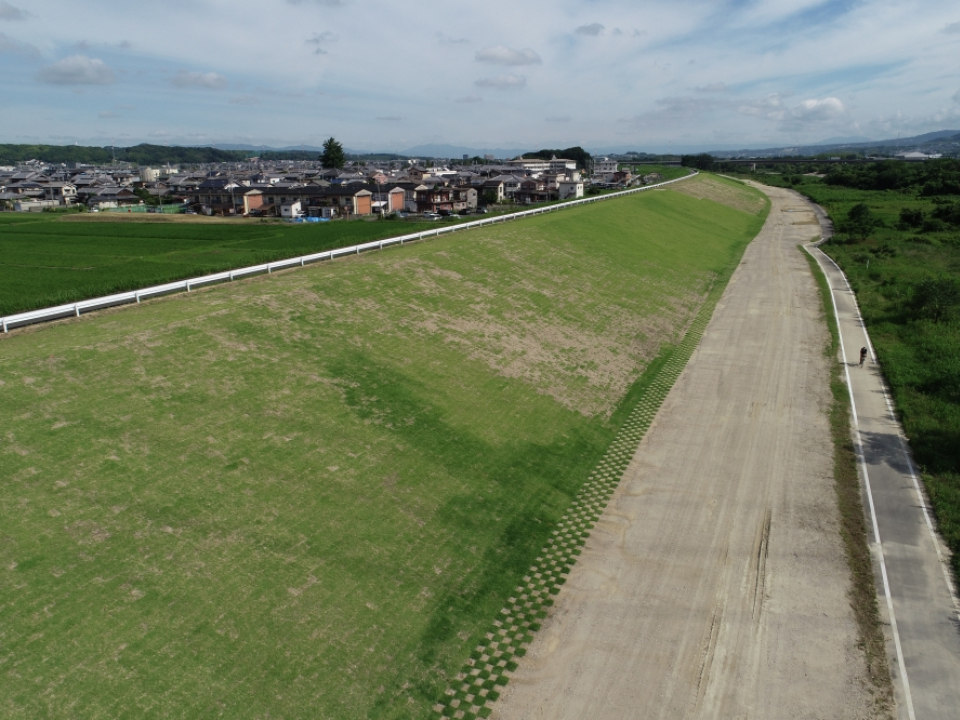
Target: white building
x=534, y=165
x=562, y=165
x=291, y=209
x=570, y=189
x=604, y=166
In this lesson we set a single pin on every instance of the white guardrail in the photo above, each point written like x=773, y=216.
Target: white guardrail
x=135, y=296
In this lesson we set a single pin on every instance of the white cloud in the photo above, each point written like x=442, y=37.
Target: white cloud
x=13, y=47
x=208, y=80
x=593, y=29
x=770, y=107
x=956, y=97
x=77, y=70
x=9, y=12
x=107, y=114
x=503, y=82
x=875, y=57
x=244, y=100
x=807, y=114
x=817, y=111
x=502, y=55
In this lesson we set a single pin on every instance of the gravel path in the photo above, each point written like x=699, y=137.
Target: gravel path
x=714, y=584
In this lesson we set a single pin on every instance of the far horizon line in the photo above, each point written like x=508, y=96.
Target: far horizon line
x=452, y=150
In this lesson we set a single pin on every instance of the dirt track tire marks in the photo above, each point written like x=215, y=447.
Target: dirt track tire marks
x=715, y=583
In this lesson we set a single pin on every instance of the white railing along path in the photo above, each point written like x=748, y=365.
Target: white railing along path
x=135, y=296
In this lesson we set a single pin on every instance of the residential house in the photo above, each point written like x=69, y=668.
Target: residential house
x=511, y=184
x=534, y=190
x=291, y=209
x=492, y=191
x=347, y=200
x=64, y=192
x=569, y=189
x=446, y=199
x=112, y=197
x=605, y=166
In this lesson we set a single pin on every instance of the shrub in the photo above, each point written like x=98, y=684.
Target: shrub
x=936, y=298
x=910, y=219
x=948, y=213
x=933, y=225
x=861, y=221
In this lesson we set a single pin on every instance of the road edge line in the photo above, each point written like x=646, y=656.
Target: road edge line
x=904, y=447
x=861, y=464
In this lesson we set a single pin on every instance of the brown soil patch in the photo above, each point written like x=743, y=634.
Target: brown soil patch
x=705, y=187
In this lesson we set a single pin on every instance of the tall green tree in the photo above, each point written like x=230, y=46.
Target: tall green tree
x=333, y=155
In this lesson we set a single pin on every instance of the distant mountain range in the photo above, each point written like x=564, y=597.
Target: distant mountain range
x=258, y=148
x=946, y=141
x=828, y=145
x=836, y=144
x=456, y=151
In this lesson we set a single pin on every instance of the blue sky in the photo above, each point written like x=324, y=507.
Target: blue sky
x=389, y=76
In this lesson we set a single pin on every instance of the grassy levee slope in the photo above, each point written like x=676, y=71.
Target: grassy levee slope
x=307, y=495
x=49, y=259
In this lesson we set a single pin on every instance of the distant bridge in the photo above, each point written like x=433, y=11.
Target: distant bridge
x=793, y=161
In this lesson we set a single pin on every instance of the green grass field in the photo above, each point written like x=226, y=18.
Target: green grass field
x=920, y=356
x=308, y=495
x=48, y=259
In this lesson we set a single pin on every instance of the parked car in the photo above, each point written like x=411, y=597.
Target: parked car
x=431, y=216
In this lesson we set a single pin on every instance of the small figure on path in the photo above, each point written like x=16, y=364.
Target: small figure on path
x=863, y=355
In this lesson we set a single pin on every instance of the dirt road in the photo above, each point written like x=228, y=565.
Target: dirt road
x=714, y=586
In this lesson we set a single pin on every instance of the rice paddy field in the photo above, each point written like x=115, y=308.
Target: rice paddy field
x=308, y=495
x=48, y=259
